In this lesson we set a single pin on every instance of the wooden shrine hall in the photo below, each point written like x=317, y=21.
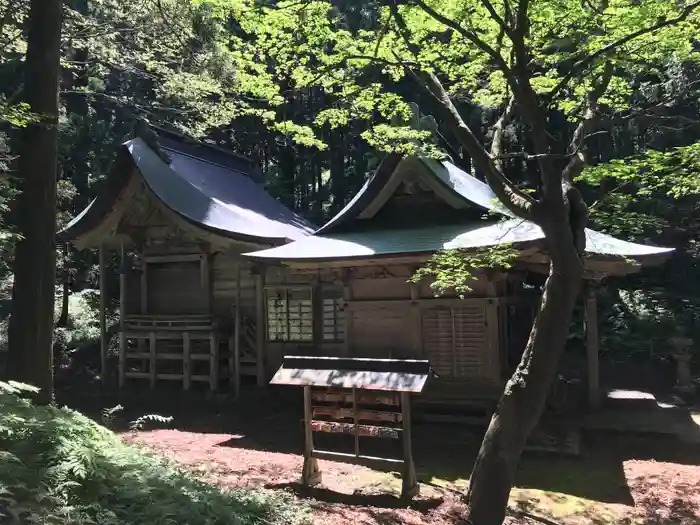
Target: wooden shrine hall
x=408, y=210
x=179, y=213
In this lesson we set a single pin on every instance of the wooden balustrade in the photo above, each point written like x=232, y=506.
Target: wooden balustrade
x=185, y=348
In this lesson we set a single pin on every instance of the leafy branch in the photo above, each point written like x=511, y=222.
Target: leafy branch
x=454, y=270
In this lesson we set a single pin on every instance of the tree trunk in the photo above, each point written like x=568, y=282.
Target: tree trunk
x=65, y=296
x=31, y=323
x=525, y=395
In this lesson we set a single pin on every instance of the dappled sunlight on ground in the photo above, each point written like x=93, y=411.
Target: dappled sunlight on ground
x=639, y=491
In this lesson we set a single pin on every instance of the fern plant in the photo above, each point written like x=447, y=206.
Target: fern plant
x=57, y=467
x=140, y=423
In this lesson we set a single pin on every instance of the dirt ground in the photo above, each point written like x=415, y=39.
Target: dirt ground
x=618, y=479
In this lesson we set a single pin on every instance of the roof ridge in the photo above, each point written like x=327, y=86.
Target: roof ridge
x=196, y=142
x=201, y=159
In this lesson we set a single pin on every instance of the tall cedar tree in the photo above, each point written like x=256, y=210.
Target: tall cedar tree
x=31, y=323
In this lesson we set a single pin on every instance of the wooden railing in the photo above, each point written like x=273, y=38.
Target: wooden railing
x=186, y=348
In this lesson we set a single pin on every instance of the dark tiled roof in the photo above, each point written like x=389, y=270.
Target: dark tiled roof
x=219, y=192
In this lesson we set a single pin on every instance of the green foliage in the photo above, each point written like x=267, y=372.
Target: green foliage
x=57, y=466
x=319, y=44
x=651, y=195
x=18, y=115
x=453, y=270
x=675, y=173
x=81, y=331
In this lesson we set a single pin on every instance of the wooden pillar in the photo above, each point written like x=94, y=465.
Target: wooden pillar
x=260, y=326
x=206, y=280
x=416, y=319
x=186, y=361
x=310, y=474
x=237, y=336
x=144, y=293
x=152, y=359
x=592, y=346
x=494, y=361
x=356, y=422
x=409, y=486
x=144, y=284
x=317, y=311
x=122, y=315
x=214, y=361
x=104, y=342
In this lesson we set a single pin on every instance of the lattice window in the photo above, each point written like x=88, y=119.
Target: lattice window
x=333, y=314
x=289, y=314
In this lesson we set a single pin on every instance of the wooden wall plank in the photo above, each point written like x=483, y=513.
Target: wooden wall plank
x=364, y=397
x=362, y=414
x=224, y=285
x=176, y=288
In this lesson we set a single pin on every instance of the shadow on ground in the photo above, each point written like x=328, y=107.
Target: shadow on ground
x=359, y=499
x=271, y=421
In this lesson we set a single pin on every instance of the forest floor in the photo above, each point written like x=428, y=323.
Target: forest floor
x=618, y=478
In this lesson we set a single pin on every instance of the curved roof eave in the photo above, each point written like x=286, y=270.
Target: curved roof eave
x=365, y=195
x=100, y=207
x=370, y=244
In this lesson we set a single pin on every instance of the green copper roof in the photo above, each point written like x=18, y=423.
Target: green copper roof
x=332, y=243
x=422, y=240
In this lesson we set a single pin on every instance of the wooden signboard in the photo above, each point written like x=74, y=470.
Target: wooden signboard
x=360, y=397
x=359, y=413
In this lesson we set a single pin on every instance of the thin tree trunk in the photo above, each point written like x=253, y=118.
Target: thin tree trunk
x=525, y=394
x=31, y=323
x=65, y=296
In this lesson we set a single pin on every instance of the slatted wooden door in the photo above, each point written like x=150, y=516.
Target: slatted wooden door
x=456, y=342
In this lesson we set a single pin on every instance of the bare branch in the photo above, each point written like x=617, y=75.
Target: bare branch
x=579, y=159
x=494, y=14
x=403, y=29
x=587, y=61
x=168, y=23
x=517, y=201
x=517, y=36
x=521, y=20
x=498, y=132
